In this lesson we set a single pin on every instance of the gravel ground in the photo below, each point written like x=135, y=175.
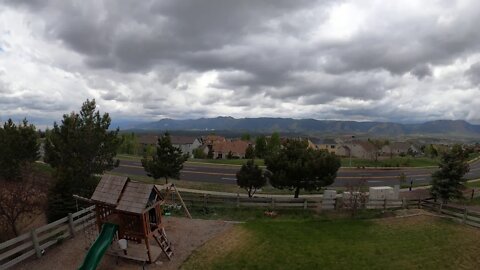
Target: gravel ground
x=185, y=234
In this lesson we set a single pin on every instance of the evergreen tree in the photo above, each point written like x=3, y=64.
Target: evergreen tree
x=246, y=137
x=166, y=162
x=80, y=148
x=260, y=147
x=447, y=182
x=18, y=148
x=250, y=152
x=274, y=143
x=210, y=153
x=297, y=167
x=251, y=177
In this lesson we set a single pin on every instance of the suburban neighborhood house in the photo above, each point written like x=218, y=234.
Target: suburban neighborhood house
x=399, y=148
x=358, y=149
x=328, y=144
x=224, y=149
x=185, y=143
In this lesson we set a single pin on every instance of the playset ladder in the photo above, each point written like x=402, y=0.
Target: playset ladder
x=164, y=244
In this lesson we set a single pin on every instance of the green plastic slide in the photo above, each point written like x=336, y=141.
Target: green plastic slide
x=98, y=249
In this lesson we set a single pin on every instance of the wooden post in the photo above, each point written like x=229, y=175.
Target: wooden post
x=273, y=203
x=385, y=204
x=238, y=200
x=465, y=214
x=305, y=203
x=440, y=208
x=148, y=250
x=36, y=245
x=419, y=204
x=70, y=225
x=335, y=203
x=404, y=203
x=183, y=203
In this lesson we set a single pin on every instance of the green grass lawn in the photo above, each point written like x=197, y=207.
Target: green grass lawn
x=259, y=162
x=391, y=162
x=320, y=243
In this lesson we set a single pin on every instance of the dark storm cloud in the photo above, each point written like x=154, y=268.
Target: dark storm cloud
x=421, y=71
x=281, y=51
x=473, y=73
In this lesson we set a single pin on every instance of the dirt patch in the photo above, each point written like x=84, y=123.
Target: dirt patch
x=233, y=239
x=185, y=234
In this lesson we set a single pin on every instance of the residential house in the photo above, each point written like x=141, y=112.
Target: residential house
x=399, y=148
x=357, y=149
x=186, y=144
x=327, y=144
x=147, y=140
x=237, y=148
x=211, y=139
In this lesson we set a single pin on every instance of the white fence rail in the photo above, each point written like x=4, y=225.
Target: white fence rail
x=36, y=241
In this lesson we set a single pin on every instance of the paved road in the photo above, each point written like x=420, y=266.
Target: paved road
x=226, y=174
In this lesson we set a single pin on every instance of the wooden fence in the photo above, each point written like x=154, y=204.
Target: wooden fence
x=210, y=200
x=36, y=241
x=463, y=215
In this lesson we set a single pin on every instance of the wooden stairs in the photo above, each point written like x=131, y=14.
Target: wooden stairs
x=164, y=244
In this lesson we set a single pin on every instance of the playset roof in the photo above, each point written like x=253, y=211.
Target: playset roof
x=124, y=194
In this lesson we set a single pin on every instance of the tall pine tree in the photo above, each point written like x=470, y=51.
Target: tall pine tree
x=447, y=182
x=18, y=148
x=166, y=162
x=80, y=148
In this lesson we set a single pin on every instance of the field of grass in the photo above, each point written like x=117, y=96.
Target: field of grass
x=391, y=162
x=419, y=242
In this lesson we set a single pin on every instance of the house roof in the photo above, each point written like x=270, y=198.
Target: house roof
x=109, y=189
x=182, y=139
x=148, y=139
x=367, y=146
x=327, y=141
x=135, y=197
x=210, y=139
x=236, y=147
x=402, y=146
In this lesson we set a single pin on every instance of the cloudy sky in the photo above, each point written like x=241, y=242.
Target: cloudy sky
x=406, y=61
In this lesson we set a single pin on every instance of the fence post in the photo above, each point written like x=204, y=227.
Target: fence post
x=36, y=245
x=305, y=203
x=273, y=203
x=404, y=203
x=465, y=214
x=70, y=225
x=238, y=200
x=385, y=204
x=440, y=208
x=419, y=204
x=335, y=203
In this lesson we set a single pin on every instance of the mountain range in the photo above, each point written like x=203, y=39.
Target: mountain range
x=443, y=128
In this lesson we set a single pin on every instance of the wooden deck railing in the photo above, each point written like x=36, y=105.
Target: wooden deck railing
x=37, y=240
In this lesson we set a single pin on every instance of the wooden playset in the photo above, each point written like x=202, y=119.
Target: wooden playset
x=136, y=208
